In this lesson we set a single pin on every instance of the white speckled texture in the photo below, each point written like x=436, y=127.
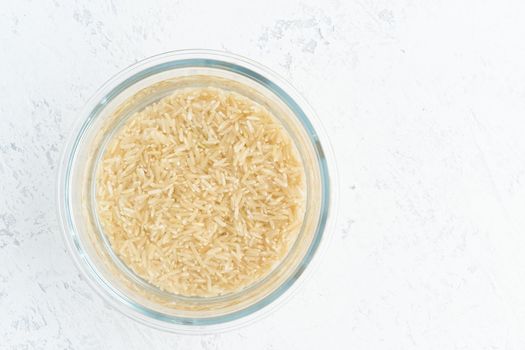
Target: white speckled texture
x=425, y=104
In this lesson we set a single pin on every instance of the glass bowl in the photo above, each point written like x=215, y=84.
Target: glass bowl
x=131, y=90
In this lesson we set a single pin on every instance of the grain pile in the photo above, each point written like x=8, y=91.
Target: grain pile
x=201, y=193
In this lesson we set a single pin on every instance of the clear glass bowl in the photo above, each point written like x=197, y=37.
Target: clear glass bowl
x=131, y=90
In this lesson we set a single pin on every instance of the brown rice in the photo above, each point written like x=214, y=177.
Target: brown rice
x=201, y=193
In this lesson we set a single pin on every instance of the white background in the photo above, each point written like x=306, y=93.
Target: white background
x=425, y=105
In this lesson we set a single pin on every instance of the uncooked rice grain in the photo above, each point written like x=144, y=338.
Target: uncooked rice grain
x=201, y=193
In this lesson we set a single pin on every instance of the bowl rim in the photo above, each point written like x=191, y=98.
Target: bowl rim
x=199, y=59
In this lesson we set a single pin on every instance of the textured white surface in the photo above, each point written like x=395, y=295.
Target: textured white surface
x=425, y=104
